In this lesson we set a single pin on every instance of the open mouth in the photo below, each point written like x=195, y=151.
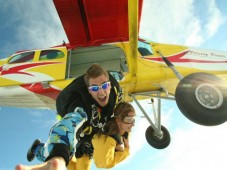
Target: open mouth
x=102, y=99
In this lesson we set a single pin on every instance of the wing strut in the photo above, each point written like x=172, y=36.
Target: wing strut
x=171, y=66
x=156, y=134
x=133, y=34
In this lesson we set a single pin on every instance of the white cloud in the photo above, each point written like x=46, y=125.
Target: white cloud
x=38, y=26
x=42, y=29
x=176, y=21
x=196, y=148
x=162, y=21
x=215, y=19
x=138, y=133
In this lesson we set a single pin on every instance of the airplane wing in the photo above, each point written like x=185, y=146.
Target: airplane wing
x=89, y=22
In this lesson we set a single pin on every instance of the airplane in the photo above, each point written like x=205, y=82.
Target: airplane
x=194, y=78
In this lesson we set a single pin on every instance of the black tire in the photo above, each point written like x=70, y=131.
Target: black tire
x=202, y=98
x=156, y=142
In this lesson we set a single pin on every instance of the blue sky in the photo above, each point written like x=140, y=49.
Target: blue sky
x=29, y=24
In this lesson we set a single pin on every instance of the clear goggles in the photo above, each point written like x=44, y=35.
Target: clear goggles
x=129, y=119
x=96, y=88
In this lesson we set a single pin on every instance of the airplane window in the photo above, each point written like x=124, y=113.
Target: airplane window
x=23, y=57
x=144, y=48
x=51, y=54
x=116, y=74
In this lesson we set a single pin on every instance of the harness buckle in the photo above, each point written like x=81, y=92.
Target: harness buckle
x=87, y=144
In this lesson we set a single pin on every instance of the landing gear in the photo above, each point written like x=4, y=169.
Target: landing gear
x=202, y=98
x=156, y=134
x=158, y=141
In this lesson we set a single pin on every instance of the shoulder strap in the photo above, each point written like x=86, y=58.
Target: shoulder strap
x=117, y=137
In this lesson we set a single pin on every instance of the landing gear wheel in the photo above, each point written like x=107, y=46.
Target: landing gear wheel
x=158, y=142
x=202, y=98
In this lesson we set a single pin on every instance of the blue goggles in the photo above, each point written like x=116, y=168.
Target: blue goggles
x=96, y=88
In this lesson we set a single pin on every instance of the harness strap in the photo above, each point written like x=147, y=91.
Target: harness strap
x=116, y=92
x=117, y=137
x=84, y=147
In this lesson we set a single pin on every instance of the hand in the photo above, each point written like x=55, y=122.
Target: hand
x=126, y=143
x=120, y=147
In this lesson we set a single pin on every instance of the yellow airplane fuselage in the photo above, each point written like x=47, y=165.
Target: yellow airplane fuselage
x=37, y=80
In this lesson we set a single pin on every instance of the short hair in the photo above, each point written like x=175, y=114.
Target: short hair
x=94, y=71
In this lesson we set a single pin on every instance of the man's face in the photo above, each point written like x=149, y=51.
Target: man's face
x=101, y=96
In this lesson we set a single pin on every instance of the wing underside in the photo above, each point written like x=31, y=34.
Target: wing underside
x=93, y=22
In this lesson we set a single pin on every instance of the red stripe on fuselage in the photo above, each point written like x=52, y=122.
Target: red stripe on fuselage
x=19, y=69
x=178, y=59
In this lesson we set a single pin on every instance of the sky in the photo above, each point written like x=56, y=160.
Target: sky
x=27, y=24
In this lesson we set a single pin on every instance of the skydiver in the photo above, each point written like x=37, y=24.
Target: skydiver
x=110, y=143
x=85, y=106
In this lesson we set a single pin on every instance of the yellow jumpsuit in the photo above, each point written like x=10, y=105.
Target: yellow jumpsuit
x=104, y=154
x=83, y=163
